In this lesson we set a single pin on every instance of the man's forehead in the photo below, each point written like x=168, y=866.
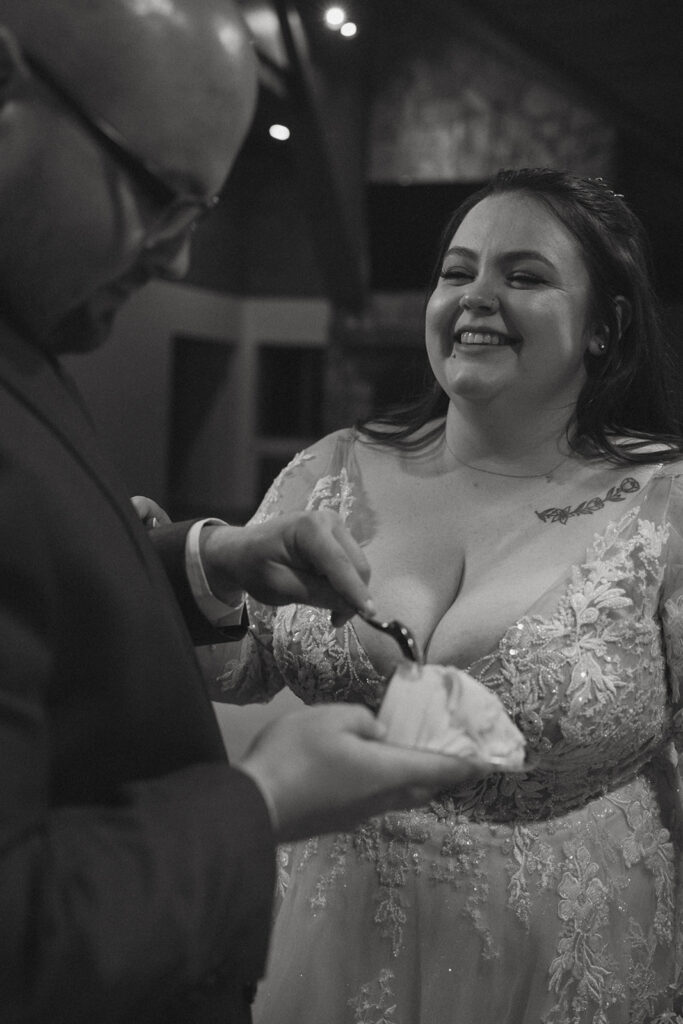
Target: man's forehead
x=176, y=78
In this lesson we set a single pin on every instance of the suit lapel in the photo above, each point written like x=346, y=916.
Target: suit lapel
x=32, y=377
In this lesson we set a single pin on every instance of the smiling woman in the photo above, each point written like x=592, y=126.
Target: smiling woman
x=509, y=319
x=629, y=388
x=524, y=520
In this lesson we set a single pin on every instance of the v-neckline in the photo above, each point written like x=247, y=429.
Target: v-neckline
x=630, y=512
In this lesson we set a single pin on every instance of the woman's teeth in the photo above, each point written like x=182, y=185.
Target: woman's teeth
x=480, y=338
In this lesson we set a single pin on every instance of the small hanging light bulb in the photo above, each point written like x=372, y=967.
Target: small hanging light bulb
x=335, y=17
x=279, y=131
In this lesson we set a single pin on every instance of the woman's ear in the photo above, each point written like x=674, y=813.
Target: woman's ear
x=599, y=341
x=624, y=312
x=600, y=337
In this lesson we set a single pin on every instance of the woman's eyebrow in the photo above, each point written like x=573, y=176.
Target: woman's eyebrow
x=459, y=250
x=510, y=256
x=528, y=254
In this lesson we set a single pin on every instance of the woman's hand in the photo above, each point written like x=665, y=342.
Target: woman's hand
x=149, y=512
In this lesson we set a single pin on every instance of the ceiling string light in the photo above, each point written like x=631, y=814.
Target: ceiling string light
x=337, y=20
x=279, y=132
x=335, y=17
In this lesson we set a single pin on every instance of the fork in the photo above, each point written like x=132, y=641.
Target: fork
x=403, y=636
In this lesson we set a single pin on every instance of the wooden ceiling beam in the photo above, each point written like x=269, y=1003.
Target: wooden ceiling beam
x=332, y=180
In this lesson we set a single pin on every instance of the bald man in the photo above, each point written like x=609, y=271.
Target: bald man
x=136, y=865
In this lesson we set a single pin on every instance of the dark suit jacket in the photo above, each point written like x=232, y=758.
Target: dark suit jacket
x=136, y=866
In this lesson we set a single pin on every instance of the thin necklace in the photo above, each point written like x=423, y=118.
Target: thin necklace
x=514, y=476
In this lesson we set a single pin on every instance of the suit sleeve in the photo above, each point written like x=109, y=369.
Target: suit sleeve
x=113, y=909
x=169, y=541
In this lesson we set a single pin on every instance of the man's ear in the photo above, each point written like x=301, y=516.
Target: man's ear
x=12, y=66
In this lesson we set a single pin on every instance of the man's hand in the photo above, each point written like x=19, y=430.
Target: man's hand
x=325, y=768
x=307, y=557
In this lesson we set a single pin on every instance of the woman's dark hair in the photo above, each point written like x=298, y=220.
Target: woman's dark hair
x=628, y=390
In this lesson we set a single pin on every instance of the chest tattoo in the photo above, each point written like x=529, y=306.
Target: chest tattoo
x=561, y=515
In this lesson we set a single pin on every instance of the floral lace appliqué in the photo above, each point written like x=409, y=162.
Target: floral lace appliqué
x=375, y=996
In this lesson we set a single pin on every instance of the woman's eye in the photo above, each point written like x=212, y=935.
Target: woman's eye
x=456, y=274
x=523, y=277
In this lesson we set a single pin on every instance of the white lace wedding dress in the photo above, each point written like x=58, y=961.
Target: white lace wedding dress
x=549, y=897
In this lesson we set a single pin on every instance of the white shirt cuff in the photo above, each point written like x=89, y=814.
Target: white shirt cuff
x=219, y=613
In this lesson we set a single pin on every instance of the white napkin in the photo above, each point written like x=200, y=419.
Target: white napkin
x=442, y=708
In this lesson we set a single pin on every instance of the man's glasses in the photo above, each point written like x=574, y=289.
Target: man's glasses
x=180, y=210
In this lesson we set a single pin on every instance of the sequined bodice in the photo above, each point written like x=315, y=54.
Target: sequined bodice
x=583, y=673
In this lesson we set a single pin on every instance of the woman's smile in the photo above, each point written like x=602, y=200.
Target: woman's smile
x=469, y=337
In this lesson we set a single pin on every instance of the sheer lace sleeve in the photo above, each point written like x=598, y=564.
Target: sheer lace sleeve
x=672, y=764
x=672, y=609
x=249, y=673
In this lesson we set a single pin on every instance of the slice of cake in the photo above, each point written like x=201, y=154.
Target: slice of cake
x=442, y=708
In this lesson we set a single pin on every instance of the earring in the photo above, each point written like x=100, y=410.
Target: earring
x=602, y=347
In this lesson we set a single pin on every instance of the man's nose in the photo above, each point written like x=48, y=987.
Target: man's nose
x=169, y=258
